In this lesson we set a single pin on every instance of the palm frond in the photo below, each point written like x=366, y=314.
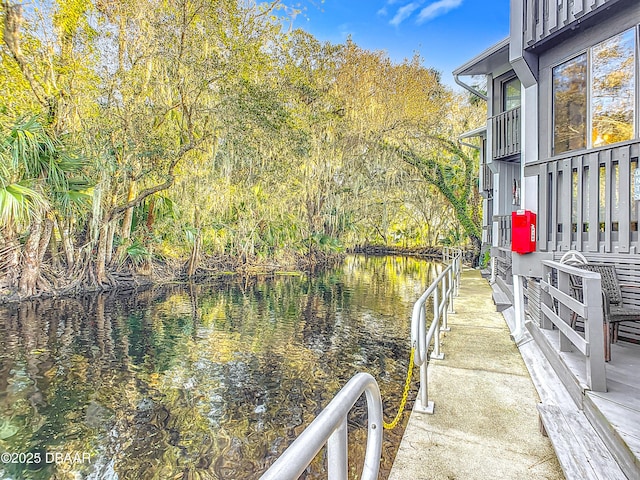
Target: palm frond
x=18, y=203
x=137, y=253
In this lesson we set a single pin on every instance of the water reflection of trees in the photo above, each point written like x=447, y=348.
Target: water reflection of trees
x=200, y=381
x=613, y=90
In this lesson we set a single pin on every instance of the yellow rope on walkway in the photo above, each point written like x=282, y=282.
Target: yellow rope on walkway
x=405, y=394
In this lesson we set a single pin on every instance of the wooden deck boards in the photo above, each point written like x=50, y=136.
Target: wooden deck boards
x=569, y=430
x=618, y=410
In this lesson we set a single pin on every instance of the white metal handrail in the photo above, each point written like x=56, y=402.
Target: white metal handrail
x=330, y=428
x=453, y=256
x=442, y=290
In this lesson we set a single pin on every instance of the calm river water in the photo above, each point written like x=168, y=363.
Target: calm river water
x=200, y=381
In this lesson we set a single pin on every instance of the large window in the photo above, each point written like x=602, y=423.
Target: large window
x=595, y=92
x=570, y=105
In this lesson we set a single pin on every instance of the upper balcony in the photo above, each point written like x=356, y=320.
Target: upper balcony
x=505, y=129
x=543, y=18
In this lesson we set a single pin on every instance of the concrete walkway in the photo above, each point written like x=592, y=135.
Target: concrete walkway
x=485, y=423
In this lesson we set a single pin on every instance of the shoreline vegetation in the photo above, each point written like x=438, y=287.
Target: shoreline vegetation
x=153, y=140
x=158, y=272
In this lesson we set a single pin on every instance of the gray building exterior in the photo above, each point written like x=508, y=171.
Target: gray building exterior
x=562, y=140
x=562, y=137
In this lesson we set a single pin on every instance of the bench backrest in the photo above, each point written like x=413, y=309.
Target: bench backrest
x=610, y=282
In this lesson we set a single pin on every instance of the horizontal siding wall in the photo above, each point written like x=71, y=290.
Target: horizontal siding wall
x=544, y=17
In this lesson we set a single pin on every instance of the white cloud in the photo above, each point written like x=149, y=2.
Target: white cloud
x=384, y=11
x=404, y=12
x=436, y=9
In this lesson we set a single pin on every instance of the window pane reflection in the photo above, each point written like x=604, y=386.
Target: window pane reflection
x=570, y=104
x=612, y=89
x=511, y=94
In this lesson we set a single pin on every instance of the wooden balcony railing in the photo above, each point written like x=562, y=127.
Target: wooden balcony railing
x=589, y=200
x=506, y=133
x=542, y=18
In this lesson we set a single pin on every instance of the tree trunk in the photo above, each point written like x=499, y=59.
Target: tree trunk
x=67, y=244
x=30, y=267
x=34, y=251
x=55, y=249
x=194, y=258
x=45, y=239
x=111, y=232
x=127, y=220
x=10, y=262
x=151, y=217
x=476, y=245
x=101, y=257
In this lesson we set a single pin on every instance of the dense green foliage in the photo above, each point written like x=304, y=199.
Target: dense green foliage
x=192, y=129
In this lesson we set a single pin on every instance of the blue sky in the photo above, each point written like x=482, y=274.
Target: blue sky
x=446, y=33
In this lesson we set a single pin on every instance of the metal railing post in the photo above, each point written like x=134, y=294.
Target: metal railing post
x=424, y=406
x=446, y=300
x=436, y=321
x=423, y=345
x=452, y=288
x=337, y=446
x=458, y=263
x=518, y=307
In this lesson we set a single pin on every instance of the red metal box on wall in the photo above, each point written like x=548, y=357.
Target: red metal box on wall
x=523, y=231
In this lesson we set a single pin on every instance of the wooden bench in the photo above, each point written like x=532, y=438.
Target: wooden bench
x=614, y=309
